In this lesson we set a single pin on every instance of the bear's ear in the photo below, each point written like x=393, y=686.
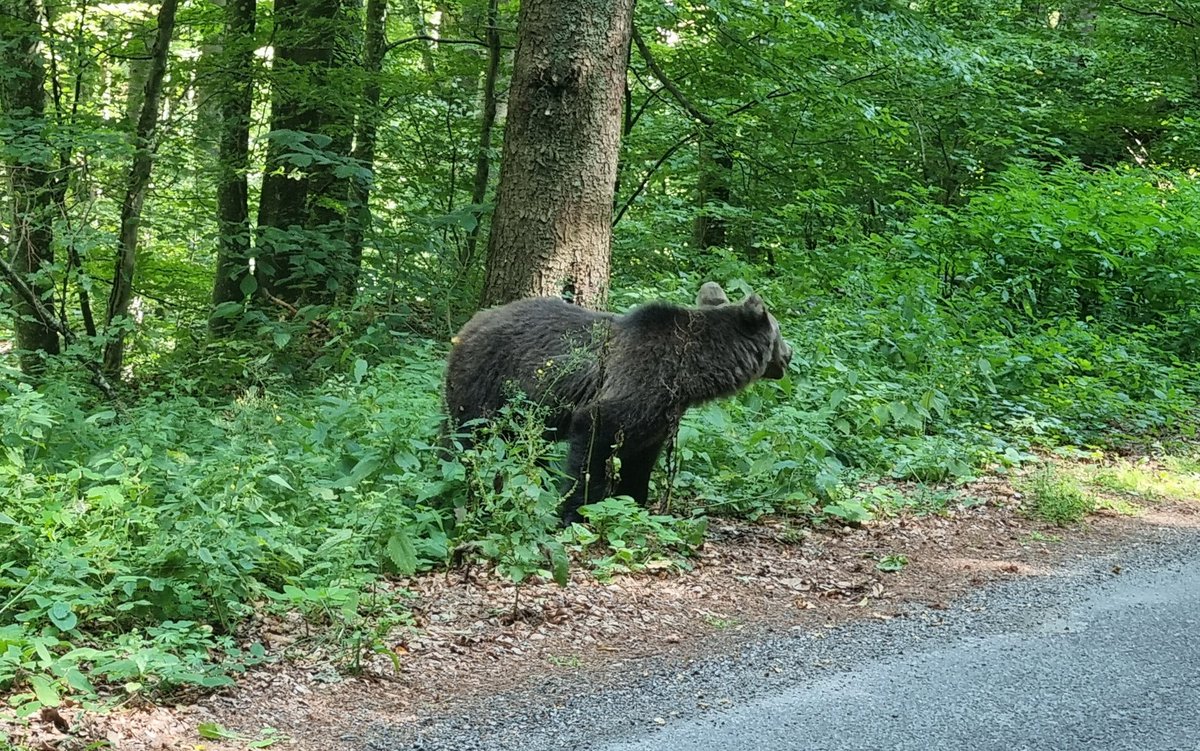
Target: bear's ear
x=711, y=295
x=755, y=307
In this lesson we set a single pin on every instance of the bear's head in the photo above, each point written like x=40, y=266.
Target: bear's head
x=779, y=354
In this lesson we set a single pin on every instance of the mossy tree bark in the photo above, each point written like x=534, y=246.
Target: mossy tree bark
x=552, y=228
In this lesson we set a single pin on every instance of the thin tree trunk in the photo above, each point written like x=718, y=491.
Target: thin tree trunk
x=364, y=142
x=422, y=29
x=66, y=119
x=713, y=177
x=483, y=159
x=329, y=188
x=135, y=191
x=236, y=97
x=552, y=229
x=301, y=232
x=22, y=94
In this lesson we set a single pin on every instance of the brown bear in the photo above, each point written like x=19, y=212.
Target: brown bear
x=611, y=384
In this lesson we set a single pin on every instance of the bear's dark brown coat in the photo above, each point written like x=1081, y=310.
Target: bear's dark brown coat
x=611, y=383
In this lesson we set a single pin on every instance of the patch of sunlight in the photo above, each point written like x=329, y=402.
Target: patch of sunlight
x=1178, y=481
x=1119, y=506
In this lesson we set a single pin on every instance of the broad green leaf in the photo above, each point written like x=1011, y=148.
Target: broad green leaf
x=62, y=617
x=402, y=553
x=45, y=690
x=560, y=563
x=78, y=681
x=281, y=482
x=215, y=732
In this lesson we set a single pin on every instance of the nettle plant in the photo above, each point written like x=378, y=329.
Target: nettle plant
x=625, y=537
x=509, y=510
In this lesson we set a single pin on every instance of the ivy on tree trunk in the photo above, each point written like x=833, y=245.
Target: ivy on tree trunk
x=302, y=250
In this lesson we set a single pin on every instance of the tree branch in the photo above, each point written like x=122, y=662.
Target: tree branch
x=649, y=174
x=666, y=82
x=437, y=40
x=50, y=321
x=780, y=93
x=1157, y=14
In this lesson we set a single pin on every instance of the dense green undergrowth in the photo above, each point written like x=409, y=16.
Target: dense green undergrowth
x=137, y=540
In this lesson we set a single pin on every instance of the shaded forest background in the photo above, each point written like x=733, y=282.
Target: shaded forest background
x=240, y=235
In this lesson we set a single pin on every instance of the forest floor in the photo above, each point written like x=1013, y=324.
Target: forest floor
x=748, y=579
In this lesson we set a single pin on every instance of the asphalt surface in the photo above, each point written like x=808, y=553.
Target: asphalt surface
x=1104, y=655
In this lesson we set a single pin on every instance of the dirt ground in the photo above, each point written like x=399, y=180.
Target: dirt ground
x=747, y=578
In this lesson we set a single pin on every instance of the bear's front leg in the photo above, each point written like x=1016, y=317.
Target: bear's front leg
x=637, y=462
x=592, y=434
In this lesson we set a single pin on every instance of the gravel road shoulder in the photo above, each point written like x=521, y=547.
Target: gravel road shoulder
x=635, y=698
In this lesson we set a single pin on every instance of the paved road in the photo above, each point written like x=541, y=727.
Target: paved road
x=1084, y=660
x=1119, y=670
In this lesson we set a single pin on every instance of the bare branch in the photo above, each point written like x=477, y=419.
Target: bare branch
x=49, y=320
x=780, y=93
x=666, y=82
x=1188, y=23
x=438, y=40
x=650, y=173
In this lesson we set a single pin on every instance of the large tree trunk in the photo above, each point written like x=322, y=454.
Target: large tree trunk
x=22, y=95
x=552, y=229
x=302, y=244
x=135, y=191
x=236, y=96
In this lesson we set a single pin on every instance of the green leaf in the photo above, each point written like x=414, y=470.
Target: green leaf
x=281, y=339
x=62, y=617
x=103, y=416
x=281, y=482
x=248, y=285
x=78, y=681
x=880, y=414
x=215, y=732
x=6, y=519
x=892, y=563
x=45, y=690
x=216, y=681
x=560, y=563
x=360, y=370
x=715, y=416
x=836, y=398
x=361, y=470
x=402, y=553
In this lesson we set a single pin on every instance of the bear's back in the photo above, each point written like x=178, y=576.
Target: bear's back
x=543, y=346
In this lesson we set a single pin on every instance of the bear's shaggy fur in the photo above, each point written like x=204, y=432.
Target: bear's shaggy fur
x=611, y=384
